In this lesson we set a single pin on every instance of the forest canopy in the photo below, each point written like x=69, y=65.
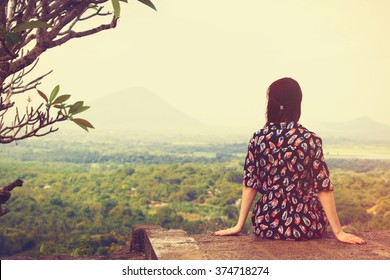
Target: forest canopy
x=86, y=203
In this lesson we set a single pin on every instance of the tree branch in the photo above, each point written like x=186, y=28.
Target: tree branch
x=5, y=194
x=46, y=39
x=33, y=122
x=73, y=34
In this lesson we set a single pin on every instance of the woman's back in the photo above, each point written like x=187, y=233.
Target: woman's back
x=285, y=164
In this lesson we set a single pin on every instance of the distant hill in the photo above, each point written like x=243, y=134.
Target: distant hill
x=361, y=129
x=138, y=109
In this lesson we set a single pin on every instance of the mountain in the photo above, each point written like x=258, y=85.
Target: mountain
x=361, y=129
x=138, y=109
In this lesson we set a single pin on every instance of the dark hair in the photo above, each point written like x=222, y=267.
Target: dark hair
x=284, y=101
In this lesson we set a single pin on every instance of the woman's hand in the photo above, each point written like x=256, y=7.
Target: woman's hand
x=349, y=238
x=230, y=231
x=327, y=200
x=248, y=195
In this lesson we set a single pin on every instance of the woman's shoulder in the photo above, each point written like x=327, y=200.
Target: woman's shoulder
x=313, y=139
x=308, y=133
x=290, y=129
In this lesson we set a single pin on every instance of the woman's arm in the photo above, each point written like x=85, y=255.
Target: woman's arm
x=327, y=200
x=248, y=195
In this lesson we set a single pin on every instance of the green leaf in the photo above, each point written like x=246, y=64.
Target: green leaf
x=12, y=38
x=61, y=98
x=148, y=3
x=42, y=248
x=83, y=127
x=54, y=93
x=84, y=124
x=30, y=25
x=82, y=109
x=75, y=253
x=75, y=107
x=43, y=96
x=117, y=8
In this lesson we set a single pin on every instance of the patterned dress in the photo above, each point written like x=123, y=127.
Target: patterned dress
x=285, y=163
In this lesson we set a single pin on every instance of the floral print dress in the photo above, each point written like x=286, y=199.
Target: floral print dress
x=285, y=163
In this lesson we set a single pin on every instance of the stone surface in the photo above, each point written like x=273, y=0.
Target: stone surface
x=173, y=244
x=164, y=244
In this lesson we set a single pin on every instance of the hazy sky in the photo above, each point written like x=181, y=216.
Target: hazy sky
x=215, y=59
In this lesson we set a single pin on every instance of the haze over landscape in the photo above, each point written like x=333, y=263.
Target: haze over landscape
x=213, y=60
x=142, y=111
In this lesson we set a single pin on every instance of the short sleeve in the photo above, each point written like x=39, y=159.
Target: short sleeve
x=320, y=171
x=250, y=173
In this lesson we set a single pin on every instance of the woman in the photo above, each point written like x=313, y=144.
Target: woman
x=285, y=164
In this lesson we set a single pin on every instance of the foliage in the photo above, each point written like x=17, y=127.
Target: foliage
x=89, y=208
